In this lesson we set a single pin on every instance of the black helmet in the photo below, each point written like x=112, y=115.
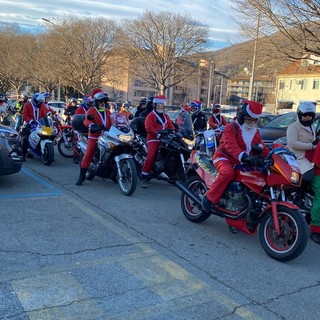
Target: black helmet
x=73, y=100
x=143, y=101
x=248, y=108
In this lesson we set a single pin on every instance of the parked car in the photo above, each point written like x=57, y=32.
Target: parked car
x=265, y=118
x=277, y=127
x=10, y=151
x=57, y=106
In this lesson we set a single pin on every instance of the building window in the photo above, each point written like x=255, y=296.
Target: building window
x=315, y=84
x=303, y=85
x=291, y=84
x=281, y=85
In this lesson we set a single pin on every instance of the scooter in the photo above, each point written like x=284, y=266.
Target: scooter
x=251, y=202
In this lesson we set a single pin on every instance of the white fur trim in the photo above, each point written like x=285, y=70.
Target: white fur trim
x=161, y=101
x=251, y=114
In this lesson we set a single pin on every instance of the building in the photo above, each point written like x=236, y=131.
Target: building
x=263, y=90
x=298, y=82
x=205, y=84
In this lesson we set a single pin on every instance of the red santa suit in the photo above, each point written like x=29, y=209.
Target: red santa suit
x=216, y=121
x=101, y=119
x=30, y=112
x=153, y=124
x=235, y=141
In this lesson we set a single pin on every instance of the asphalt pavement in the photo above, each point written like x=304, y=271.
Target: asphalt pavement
x=89, y=252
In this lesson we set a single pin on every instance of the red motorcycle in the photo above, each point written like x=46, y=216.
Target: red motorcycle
x=251, y=200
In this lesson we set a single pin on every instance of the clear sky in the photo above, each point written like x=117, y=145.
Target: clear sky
x=214, y=13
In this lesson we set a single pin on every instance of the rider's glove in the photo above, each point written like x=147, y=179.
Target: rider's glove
x=314, y=142
x=253, y=161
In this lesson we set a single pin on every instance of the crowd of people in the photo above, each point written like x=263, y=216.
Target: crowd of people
x=235, y=145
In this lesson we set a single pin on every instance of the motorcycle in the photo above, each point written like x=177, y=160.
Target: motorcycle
x=173, y=152
x=66, y=138
x=251, y=200
x=41, y=140
x=208, y=140
x=302, y=196
x=113, y=157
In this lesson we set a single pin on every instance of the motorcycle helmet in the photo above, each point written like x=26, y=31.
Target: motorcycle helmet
x=250, y=109
x=126, y=105
x=195, y=107
x=38, y=99
x=143, y=102
x=73, y=101
x=186, y=108
x=2, y=97
x=216, y=108
x=306, y=109
x=24, y=96
x=159, y=100
x=100, y=97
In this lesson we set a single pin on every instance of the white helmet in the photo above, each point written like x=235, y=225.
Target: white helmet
x=306, y=107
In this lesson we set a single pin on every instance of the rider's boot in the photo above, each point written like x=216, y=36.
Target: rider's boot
x=82, y=176
x=144, y=181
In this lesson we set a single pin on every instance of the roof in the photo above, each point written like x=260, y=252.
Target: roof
x=296, y=68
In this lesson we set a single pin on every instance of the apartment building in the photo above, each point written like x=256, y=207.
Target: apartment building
x=263, y=90
x=298, y=82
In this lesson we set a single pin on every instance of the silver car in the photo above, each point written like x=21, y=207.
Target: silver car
x=10, y=151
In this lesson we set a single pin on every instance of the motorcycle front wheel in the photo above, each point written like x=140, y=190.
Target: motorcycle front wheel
x=128, y=180
x=66, y=147
x=293, y=237
x=47, y=156
x=191, y=209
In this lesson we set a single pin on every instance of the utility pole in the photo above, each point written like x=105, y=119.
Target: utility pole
x=254, y=59
x=212, y=67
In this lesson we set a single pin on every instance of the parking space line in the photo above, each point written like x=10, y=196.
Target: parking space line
x=53, y=191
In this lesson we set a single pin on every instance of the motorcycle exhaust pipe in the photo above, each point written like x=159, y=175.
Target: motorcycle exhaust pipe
x=183, y=188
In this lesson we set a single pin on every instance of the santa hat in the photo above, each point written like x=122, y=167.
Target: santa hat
x=95, y=91
x=159, y=99
x=253, y=108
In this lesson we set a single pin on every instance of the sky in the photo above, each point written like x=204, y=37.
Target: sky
x=216, y=14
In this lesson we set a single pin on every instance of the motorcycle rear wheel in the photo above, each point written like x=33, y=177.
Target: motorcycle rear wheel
x=47, y=156
x=293, y=237
x=191, y=209
x=66, y=150
x=128, y=182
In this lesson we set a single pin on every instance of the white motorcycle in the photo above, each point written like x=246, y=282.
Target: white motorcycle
x=41, y=140
x=208, y=140
x=113, y=157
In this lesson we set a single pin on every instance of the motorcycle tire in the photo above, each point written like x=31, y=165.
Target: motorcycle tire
x=128, y=182
x=191, y=209
x=293, y=238
x=65, y=150
x=47, y=156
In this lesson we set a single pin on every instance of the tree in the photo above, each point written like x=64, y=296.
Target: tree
x=158, y=43
x=296, y=24
x=79, y=50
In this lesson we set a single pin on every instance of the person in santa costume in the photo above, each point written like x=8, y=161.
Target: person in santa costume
x=235, y=147
x=155, y=121
x=216, y=120
x=198, y=118
x=99, y=115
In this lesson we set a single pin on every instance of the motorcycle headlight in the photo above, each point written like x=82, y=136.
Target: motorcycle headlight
x=125, y=137
x=295, y=177
x=189, y=143
x=8, y=135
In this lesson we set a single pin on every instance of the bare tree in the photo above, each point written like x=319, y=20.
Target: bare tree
x=12, y=69
x=79, y=50
x=157, y=43
x=294, y=25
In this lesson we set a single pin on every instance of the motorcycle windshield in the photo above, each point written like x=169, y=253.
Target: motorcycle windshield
x=184, y=124
x=46, y=121
x=120, y=122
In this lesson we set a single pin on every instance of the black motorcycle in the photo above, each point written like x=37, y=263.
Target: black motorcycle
x=173, y=152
